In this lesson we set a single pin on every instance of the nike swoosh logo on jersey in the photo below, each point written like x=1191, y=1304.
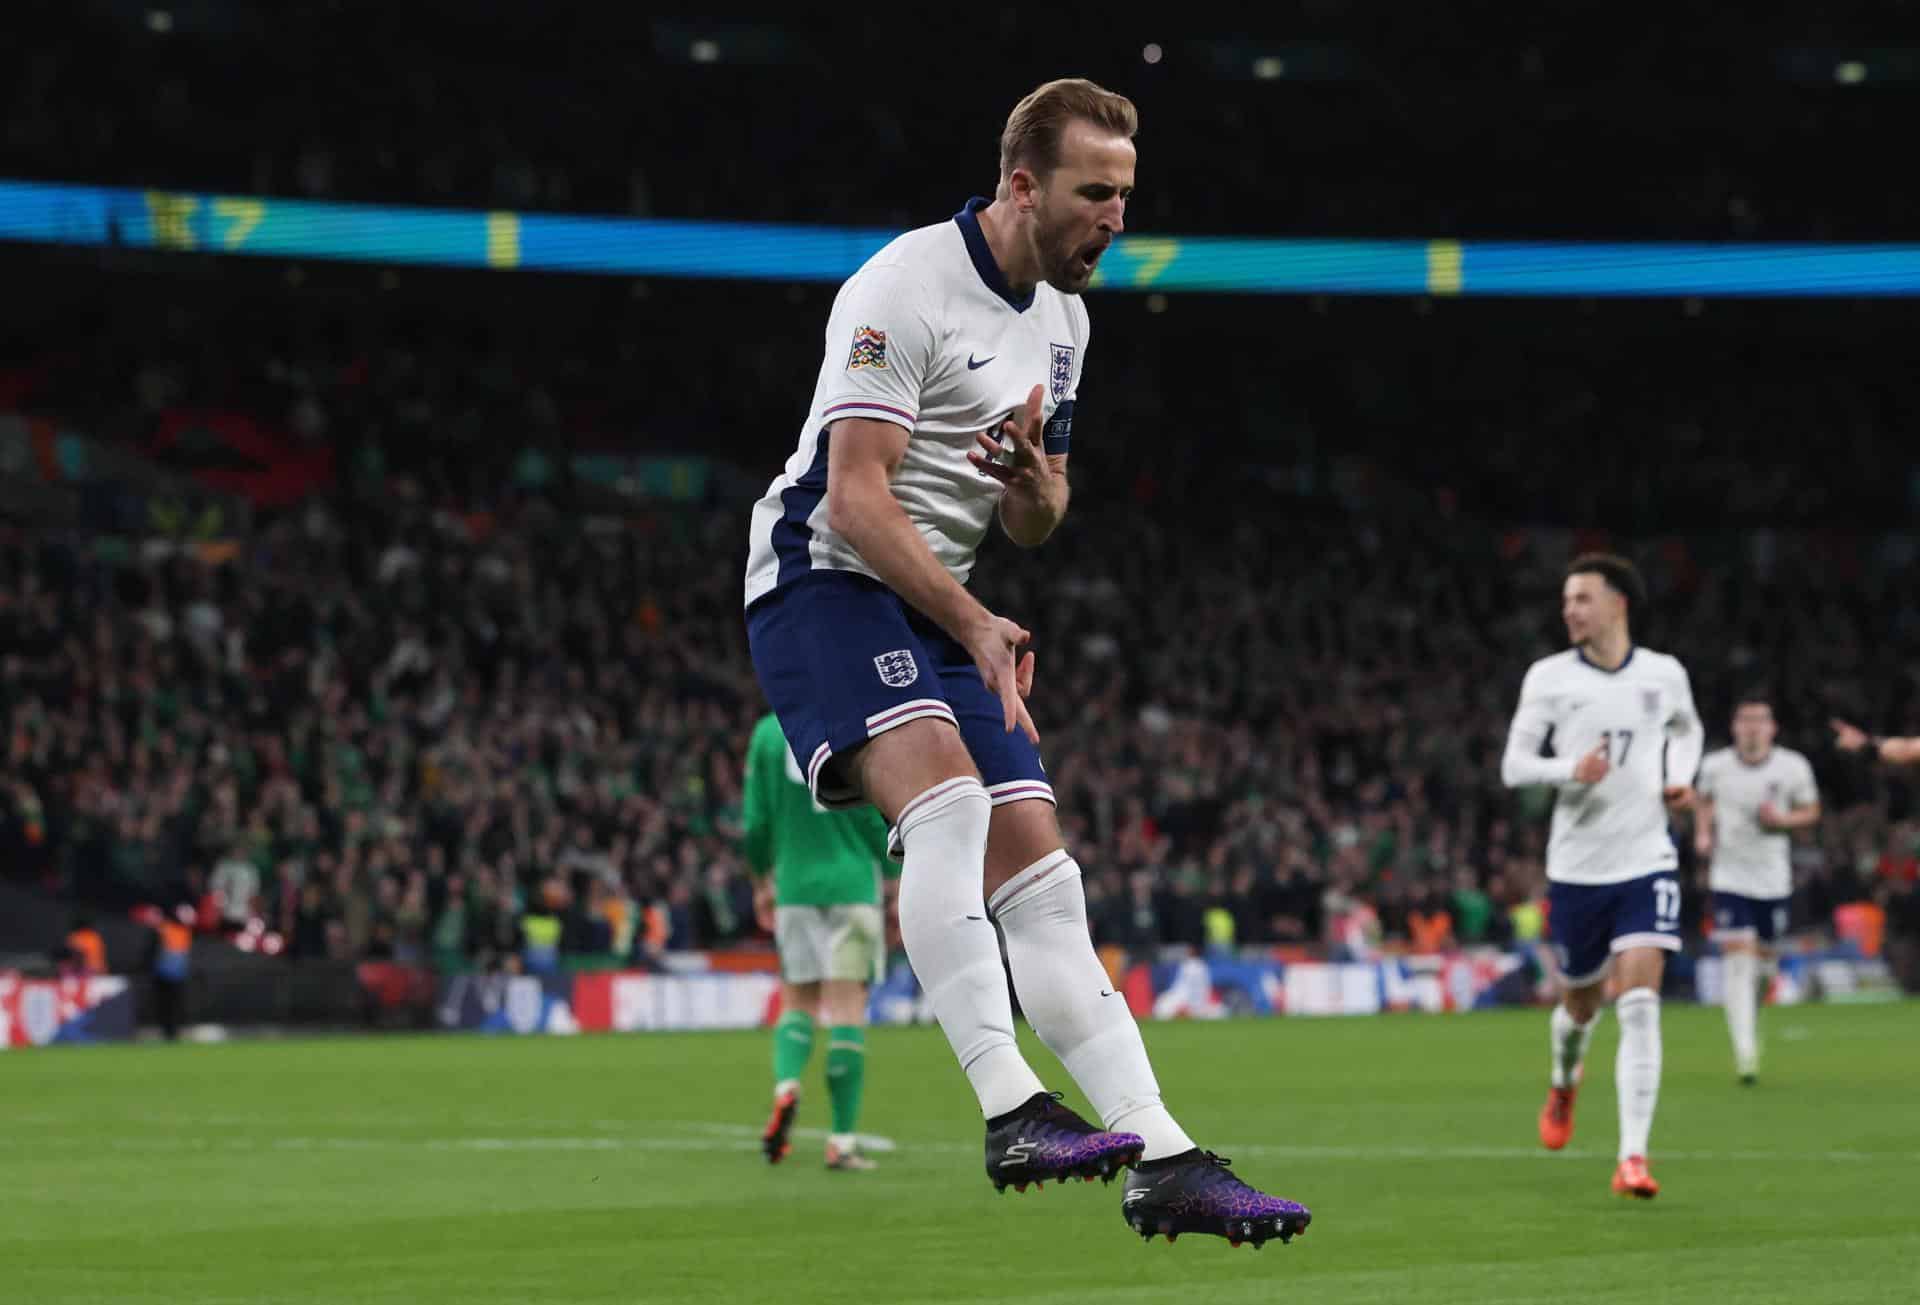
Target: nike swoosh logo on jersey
x=973, y=366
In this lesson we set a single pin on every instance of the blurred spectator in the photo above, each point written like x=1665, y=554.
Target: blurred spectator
x=170, y=964
x=83, y=951
x=1430, y=924
x=236, y=887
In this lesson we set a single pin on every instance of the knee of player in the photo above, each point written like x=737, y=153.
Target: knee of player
x=803, y=998
x=1584, y=1003
x=847, y=1010
x=910, y=770
x=953, y=807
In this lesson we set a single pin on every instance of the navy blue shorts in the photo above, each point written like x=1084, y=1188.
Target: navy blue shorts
x=842, y=660
x=1588, y=923
x=1752, y=919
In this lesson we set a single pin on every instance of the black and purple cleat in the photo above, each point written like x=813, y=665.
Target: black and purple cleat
x=1043, y=1140
x=1195, y=1192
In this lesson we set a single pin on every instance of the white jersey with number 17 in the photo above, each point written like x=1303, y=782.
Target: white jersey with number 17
x=1643, y=713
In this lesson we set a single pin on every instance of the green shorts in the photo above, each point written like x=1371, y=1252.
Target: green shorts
x=829, y=942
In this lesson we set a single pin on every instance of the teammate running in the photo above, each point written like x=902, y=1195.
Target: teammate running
x=1625, y=743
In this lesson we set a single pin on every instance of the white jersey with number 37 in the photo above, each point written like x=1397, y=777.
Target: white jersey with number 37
x=1643, y=714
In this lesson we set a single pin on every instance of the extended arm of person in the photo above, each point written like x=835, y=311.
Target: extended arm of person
x=1895, y=750
x=1522, y=764
x=862, y=457
x=891, y=321
x=1702, y=824
x=1686, y=742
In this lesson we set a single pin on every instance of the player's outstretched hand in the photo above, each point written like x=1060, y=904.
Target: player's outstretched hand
x=1849, y=738
x=1593, y=767
x=1679, y=797
x=995, y=645
x=1029, y=470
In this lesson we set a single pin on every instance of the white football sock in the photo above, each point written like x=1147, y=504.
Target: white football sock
x=1637, y=1067
x=951, y=944
x=1570, y=1040
x=1071, y=1002
x=1742, y=996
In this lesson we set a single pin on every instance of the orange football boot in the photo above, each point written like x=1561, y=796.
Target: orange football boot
x=1632, y=1179
x=774, y=1142
x=1556, y=1118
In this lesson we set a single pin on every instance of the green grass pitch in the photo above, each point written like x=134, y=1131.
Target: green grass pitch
x=624, y=1169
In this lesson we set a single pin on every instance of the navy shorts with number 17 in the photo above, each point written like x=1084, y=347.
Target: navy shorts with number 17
x=1588, y=923
x=843, y=660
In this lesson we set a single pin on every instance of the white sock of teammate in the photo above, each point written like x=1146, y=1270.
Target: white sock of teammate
x=1069, y=999
x=1740, y=971
x=1570, y=1039
x=951, y=944
x=1636, y=1070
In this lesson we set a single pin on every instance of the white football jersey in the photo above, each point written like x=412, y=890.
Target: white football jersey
x=926, y=335
x=1747, y=859
x=1643, y=712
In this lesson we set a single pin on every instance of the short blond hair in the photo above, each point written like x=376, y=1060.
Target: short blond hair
x=1034, y=128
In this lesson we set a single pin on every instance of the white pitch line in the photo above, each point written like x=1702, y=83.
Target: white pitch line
x=742, y=1138
x=1287, y=1152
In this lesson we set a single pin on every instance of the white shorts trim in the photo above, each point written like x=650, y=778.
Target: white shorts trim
x=840, y=798
x=1666, y=942
x=900, y=713
x=819, y=759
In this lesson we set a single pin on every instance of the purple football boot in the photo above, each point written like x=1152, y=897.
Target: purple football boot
x=1044, y=1140
x=1195, y=1192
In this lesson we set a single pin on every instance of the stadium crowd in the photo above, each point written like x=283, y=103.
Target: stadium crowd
x=513, y=736
x=459, y=687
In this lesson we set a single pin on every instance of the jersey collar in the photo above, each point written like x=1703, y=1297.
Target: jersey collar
x=968, y=220
x=1624, y=661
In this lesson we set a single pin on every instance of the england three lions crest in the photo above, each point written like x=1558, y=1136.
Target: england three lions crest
x=1650, y=703
x=1060, y=372
x=897, y=669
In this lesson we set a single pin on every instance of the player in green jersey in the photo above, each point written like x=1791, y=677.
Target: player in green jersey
x=818, y=872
